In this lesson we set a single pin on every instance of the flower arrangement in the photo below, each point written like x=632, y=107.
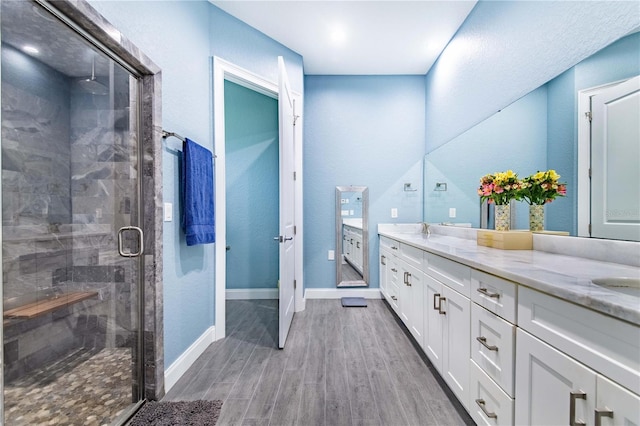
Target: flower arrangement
x=542, y=188
x=500, y=188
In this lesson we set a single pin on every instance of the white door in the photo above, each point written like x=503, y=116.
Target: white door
x=433, y=321
x=615, y=155
x=615, y=405
x=287, y=206
x=456, y=341
x=549, y=384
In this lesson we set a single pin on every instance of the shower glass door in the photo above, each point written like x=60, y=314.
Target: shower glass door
x=70, y=183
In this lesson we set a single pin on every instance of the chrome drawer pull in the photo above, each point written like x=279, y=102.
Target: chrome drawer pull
x=572, y=407
x=486, y=292
x=483, y=340
x=394, y=248
x=435, y=306
x=600, y=413
x=481, y=403
x=407, y=275
x=394, y=270
x=394, y=298
x=382, y=258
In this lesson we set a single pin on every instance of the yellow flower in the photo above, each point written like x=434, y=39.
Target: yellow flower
x=509, y=174
x=539, y=176
x=553, y=175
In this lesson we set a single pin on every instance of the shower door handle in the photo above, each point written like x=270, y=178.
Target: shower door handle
x=121, y=251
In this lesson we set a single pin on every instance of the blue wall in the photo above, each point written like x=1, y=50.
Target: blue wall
x=514, y=138
x=181, y=37
x=251, y=132
x=504, y=50
x=359, y=130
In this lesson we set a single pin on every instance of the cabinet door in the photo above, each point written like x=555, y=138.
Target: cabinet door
x=416, y=300
x=615, y=405
x=547, y=381
x=383, y=263
x=456, y=313
x=404, y=285
x=433, y=321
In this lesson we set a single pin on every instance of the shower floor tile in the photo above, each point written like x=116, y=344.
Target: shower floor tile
x=85, y=388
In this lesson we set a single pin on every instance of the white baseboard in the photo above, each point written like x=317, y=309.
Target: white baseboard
x=188, y=357
x=337, y=293
x=252, y=293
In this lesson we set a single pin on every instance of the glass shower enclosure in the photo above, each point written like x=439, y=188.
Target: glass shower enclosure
x=71, y=282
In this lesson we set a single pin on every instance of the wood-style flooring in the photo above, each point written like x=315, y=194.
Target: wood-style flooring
x=340, y=366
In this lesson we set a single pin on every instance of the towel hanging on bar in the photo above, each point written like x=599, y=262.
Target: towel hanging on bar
x=166, y=134
x=196, y=182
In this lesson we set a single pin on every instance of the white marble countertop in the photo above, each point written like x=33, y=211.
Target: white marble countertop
x=566, y=277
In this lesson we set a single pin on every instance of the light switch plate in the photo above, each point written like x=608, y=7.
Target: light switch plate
x=394, y=213
x=168, y=212
x=452, y=212
x=331, y=255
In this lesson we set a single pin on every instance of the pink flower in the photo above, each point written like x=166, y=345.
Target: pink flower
x=562, y=189
x=498, y=190
x=487, y=189
x=549, y=200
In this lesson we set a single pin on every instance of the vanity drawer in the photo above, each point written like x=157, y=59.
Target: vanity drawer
x=496, y=355
x=392, y=245
x=496, y=294
x=488, y=404
x=413, y=256
x=605, y=344
x=450, y=273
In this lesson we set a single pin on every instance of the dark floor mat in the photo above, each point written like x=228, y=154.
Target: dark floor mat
x=183, y=413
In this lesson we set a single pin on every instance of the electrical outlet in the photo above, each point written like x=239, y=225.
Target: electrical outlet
x=394, y=213
x=168, y=212
x=331, y=255
x=452, y=212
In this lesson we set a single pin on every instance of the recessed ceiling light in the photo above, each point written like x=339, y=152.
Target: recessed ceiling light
x=338, y=35
x=30, y=50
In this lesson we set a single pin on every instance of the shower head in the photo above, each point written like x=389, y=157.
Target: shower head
x=92, y=85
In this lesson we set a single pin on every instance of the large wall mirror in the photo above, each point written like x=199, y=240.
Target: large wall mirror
x=352, y=236
x=543, y=130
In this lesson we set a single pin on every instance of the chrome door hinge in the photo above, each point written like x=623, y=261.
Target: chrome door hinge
x=589, y=116
x=295, y=284
x=589, y=172
x=294, y=175
x=294, y=230
x=589, y=229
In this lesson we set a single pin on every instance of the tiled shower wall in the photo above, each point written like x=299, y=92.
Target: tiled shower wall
x=67, y=187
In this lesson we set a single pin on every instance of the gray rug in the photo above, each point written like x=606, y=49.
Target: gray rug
x=183, y=413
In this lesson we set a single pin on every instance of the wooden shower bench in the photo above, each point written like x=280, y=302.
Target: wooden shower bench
x=44, y=306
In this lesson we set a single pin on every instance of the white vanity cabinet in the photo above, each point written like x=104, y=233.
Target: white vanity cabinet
x=352, y=238
x=512, y=355
x=566, y=359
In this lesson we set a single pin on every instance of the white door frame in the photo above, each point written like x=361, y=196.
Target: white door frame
x=584, y=155
x=224, y=70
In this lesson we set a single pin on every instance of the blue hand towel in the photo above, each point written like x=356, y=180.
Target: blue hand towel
x=196, y=182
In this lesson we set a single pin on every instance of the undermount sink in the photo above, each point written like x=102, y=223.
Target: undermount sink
x=624, y=285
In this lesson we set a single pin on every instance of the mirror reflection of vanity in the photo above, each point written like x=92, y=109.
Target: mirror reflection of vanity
x=352, y=236
x=546, y=129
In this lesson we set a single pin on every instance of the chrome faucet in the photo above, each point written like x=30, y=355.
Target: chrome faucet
x=426, y=228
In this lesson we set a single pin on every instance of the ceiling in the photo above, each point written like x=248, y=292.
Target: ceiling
x=357, y=37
